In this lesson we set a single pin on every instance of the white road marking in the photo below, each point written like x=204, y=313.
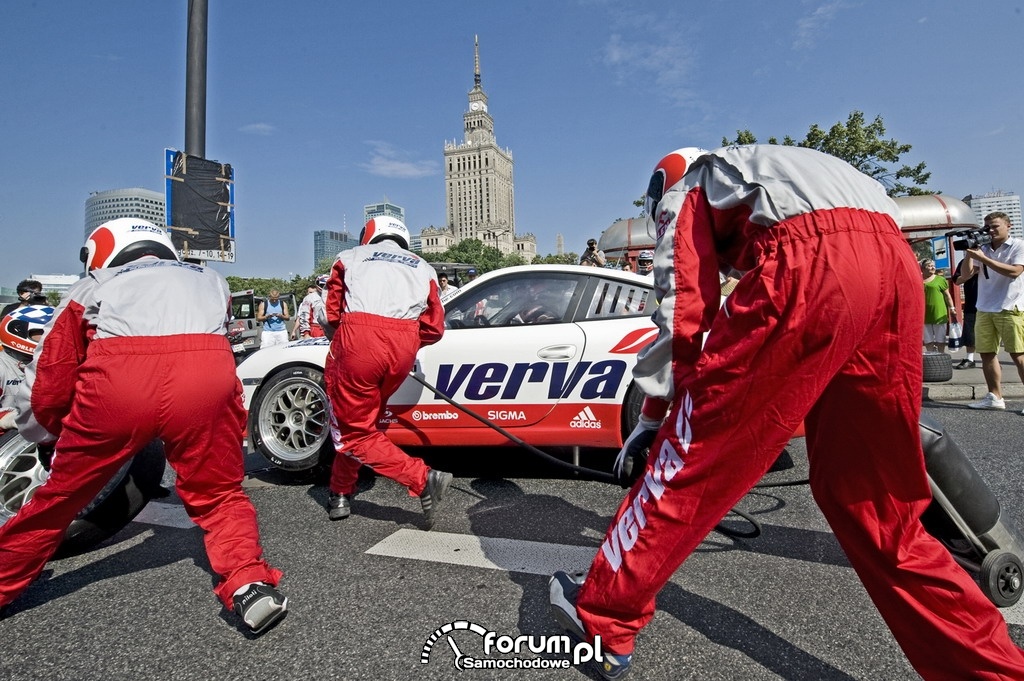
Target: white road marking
x=509, y=555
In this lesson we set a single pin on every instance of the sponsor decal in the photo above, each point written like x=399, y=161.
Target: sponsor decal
x=420, y=415
x=506, y=415
x=585, y=419
x=388, y=417
x=634, y=341
x=490, y=650
x=493, y=380
x=666, y=466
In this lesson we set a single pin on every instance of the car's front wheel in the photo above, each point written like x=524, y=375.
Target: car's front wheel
x=288, y=419
x=114, y=507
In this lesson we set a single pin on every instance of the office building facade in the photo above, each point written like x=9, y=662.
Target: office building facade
x=134, y=202
x=1004, y=202
x=327, y=244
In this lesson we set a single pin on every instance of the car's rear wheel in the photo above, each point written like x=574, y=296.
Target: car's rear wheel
x=288, y=419
x=113, y=508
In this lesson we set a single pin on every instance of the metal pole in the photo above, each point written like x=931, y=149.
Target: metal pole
x=195, y=79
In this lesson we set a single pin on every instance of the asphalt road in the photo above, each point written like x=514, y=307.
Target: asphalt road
x=370, y=593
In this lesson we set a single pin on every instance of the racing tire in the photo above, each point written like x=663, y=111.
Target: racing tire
x=938, y=367
x=1001, y=578
x=288, y=419
x=116, y=505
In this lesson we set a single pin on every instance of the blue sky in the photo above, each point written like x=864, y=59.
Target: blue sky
x=322, y=107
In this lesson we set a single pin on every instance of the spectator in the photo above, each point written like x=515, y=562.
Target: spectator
x=382, y=307
x=113, y=372
x=306, y=325
x=810, y=335
x=592, y=257
x=273, y=312
x=445, y=290
x=938, y=307
x=1000, y=316
x=471, y=274
x=627, y=266
x=970, y=308
x=30, y=292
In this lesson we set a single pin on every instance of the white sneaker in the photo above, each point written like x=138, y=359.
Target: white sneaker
x=990, y=401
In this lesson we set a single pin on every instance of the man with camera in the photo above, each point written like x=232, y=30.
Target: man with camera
x=1000, y=317
x=30, y=292
x=592, y=257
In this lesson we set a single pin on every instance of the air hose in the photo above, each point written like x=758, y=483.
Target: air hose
x=592, y=473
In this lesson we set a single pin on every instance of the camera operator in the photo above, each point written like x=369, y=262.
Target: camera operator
x=1000, y=315
x=592, y=257
x=30, y=292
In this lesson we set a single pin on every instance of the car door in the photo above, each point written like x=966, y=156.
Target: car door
x=496, y=360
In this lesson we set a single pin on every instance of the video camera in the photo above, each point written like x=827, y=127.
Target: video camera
x=967, y=239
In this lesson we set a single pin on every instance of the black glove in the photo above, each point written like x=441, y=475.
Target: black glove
x=44, y=452
x=632, y=459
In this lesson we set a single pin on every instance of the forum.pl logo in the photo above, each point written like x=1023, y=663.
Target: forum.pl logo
x=510, y=652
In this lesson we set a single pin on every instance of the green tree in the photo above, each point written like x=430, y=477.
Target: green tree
x=552, y=259
x=53, y=298
x=475, y=252
x=863, y=146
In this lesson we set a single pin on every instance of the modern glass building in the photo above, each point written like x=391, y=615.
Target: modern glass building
x=383, y=209
x=124, y=203
x=327, y=244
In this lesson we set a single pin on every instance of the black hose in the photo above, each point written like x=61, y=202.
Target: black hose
x=596, y=475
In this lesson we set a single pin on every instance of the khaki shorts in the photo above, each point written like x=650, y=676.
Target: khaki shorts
x=991, y=327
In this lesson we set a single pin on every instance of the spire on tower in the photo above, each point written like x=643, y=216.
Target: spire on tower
x=476, y=60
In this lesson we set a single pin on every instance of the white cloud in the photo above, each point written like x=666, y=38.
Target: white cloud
x=263, y=129
x=387, y=161
x=810, y=27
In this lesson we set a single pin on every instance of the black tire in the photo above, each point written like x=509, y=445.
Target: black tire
x=1001, y=578
x=288, y=419
x=631, y=409
x=114, y=507
x=938, y=367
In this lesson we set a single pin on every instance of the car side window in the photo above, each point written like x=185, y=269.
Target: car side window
x=512, y=301
x=618, y=299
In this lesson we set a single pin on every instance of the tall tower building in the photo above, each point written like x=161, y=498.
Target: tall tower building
x=479, y=189
x=135, y=202
x=383, y=209
x=1004, y=202
x=328, y=243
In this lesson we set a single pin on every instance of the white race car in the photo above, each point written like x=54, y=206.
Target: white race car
x=545, y=352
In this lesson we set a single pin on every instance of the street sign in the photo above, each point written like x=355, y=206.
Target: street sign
x=940, y=248
x=200, y=206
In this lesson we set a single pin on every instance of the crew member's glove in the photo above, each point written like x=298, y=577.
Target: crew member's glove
x=632, y=458
x=7, y=420
x=44, y=452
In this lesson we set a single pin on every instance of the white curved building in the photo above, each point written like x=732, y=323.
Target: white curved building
x=124, y=203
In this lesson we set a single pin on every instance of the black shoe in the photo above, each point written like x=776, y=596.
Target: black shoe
x=433, y=494
x=339, y=506
x=563, y=590
x=261, y=606
x=965, y=364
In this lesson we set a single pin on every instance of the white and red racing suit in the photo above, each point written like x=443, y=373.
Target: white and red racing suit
x=132, y=354
x=824, y=327
x=12, y=374
x=307, y=315
x=383, y=305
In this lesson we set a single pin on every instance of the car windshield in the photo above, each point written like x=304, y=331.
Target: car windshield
x=513, y=300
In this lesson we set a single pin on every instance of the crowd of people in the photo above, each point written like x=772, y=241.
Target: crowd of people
x=808, y=335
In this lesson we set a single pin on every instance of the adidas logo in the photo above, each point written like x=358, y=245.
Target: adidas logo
x=585, y=419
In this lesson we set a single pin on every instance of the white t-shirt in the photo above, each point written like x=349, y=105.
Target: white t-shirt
x=996, y=292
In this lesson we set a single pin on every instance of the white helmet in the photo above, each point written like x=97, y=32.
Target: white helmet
x=645, y=262
x=123, y=240
x=667, y=174
x=378, y=229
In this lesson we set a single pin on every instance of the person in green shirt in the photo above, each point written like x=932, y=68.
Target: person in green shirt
x=938, y=307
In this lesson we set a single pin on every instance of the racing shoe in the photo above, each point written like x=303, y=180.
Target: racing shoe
x=989, y=401
x=260, y=606
x=563, y=589
x=339, y=506
x=433, y=494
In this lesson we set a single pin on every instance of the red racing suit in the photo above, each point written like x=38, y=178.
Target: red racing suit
x=825, y=327
x=383, y=305
x=132, y=354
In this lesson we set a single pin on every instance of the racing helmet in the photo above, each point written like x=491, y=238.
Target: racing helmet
x=667, y=174
x=645, y=262
x=321, y=281
x=380, y=228
x=123, y=240
x=20, y=330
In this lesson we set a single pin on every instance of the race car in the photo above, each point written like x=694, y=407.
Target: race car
x=545, y=352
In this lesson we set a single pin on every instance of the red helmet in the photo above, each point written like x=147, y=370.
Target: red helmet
x=377, y=229
x=123, y=240
x=20, y=329
x=667, y=174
